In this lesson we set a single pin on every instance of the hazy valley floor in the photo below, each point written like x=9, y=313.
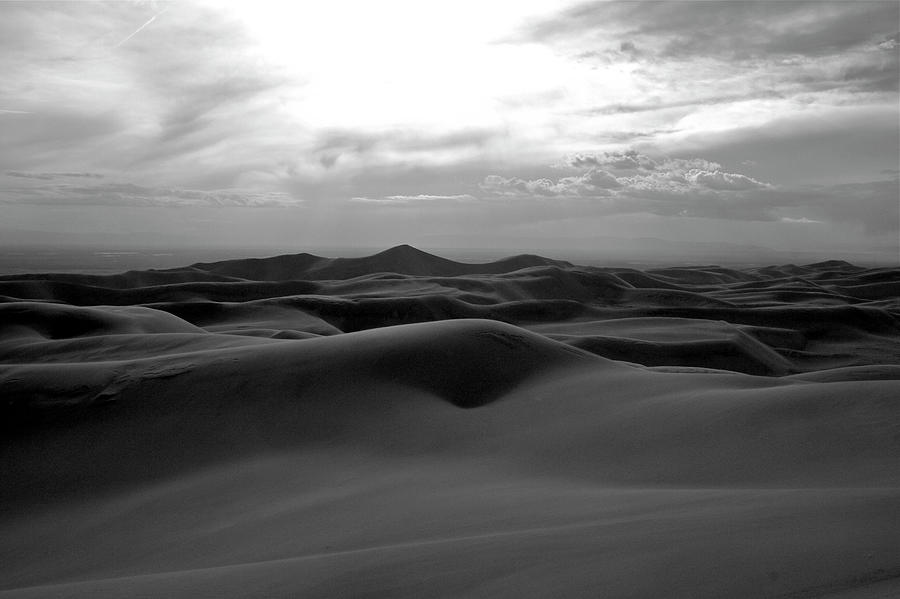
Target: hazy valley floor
x=403, y=425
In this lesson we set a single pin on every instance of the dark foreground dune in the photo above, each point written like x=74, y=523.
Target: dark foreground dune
x=403, y=425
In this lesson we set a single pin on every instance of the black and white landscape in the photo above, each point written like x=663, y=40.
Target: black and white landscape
x=637, y=332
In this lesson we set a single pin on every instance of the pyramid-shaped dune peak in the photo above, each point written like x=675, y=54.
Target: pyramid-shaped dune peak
x=407, y=253
x=404, y=249
x=405, y=259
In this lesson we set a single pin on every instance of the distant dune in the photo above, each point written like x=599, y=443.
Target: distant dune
x=403, y=259
x=403, y=425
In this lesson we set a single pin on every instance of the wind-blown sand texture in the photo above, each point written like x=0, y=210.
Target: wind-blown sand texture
x=403, y=425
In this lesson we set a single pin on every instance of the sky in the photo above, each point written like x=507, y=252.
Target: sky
x=521, y=124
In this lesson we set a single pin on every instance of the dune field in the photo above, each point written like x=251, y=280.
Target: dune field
x=403, y=425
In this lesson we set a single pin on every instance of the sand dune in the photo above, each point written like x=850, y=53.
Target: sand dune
x=403, y=259
x=404, y=425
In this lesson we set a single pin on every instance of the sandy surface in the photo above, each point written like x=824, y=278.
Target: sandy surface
x=403, y=425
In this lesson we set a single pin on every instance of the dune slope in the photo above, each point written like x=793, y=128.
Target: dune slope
x=404, y=426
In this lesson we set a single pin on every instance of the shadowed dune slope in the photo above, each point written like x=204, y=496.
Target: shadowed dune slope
x=787, y=318
x=325, y=467
x=402, y=259
x=127, y=280
x=466, y=362
x=407, y=426
x=56, y=321
x=663, y=341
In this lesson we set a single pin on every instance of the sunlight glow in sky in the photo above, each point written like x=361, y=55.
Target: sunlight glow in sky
x=492, y=123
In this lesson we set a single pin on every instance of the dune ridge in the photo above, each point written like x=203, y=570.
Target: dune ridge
x=818, y=310
x=404, y=425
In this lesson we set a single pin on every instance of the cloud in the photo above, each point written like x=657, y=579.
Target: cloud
x=890, y=42
x=685, y=103
x=511, y=186
x=723, y=181
x=37, y=192
x=742, y=30
x=699, y=188
x=802, y=220
x=432, y=198
x=817, y=145
x=123, y=86
x=595, y=179
x=52, y=176
x=631, y=182
x=595, y=183
x=872, y=205
x=57, y=135
x=639, y=171
x=791, y=105
x=347, y=147
x=405, y=200
x=701, y=67
x=629, y=159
